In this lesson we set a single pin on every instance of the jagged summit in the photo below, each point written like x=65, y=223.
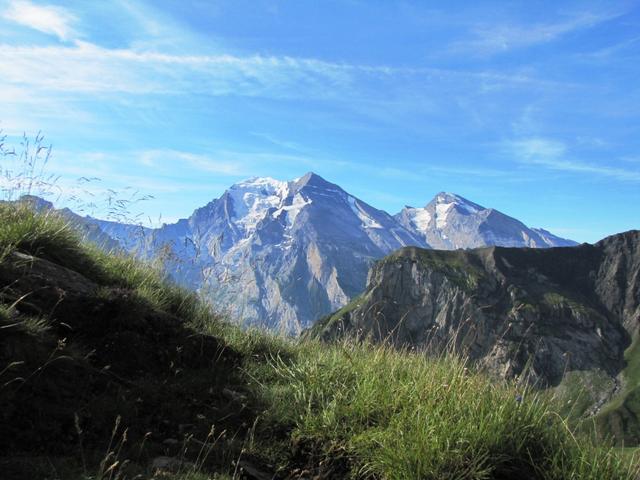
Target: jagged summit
x=270, y=184
x=630, y=236
x=256, y=181
x=247, y=191
x=251, y=200
x=313, y=179
x=281, y=253
x=449, y=197
x=446, y=198
x=450, y=221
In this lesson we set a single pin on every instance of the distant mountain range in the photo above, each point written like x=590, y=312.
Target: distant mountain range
x=449, y=222
x=283, y=254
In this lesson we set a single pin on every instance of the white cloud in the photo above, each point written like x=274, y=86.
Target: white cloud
x=464, y=171
x=277, y=141
x=204, y=163
x=552, y=155
x=497, y=38
x=624, y=49
x=537, y=149
x=606, y=171
x=44, y=18
x=89, y=68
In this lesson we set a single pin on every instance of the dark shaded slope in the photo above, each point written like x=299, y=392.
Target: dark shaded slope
x=94, y=347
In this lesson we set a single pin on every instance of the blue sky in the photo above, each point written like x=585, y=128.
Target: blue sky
x=532, y=108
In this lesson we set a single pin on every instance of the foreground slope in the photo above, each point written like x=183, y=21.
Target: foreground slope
x=110, y=372
x=543, y=313
x=96, y=346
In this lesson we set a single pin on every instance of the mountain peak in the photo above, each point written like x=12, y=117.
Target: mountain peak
x=252, y=198
x=444, y=196
x=311, y=179
x=450, y=221
x=268, y=184
x=448, y=197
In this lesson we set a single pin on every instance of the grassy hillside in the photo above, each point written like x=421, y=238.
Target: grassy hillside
x=107, y=371
x=619, y=416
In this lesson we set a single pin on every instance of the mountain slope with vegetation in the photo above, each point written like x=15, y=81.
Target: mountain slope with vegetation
x=107, y=371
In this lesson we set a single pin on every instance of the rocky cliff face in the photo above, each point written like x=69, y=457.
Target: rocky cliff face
x=535, y=312
x=617, y=284
x=307, y=254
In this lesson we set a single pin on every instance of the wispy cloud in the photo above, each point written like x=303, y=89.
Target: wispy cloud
x=624, y=49
x=89, y=68
x=167, y=158
x=286, y=144
x=473, y=172
x=537, y=149
x=48, y=19
x=61, y=80
x=85, y=67
x=490, y=39
x=553, y=155
x=108, y=169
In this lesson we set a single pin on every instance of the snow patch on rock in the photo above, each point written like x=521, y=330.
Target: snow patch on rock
x=366, y=220
x=253, y=198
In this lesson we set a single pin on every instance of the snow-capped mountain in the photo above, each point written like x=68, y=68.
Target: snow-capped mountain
x=450, y=221
x=277, y=254
x=281, y=255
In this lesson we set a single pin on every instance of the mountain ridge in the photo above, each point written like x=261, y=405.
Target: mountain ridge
x=281, y=254
x=450, y=221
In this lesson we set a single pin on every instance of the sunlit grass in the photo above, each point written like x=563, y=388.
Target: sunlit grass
x=400, y=415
